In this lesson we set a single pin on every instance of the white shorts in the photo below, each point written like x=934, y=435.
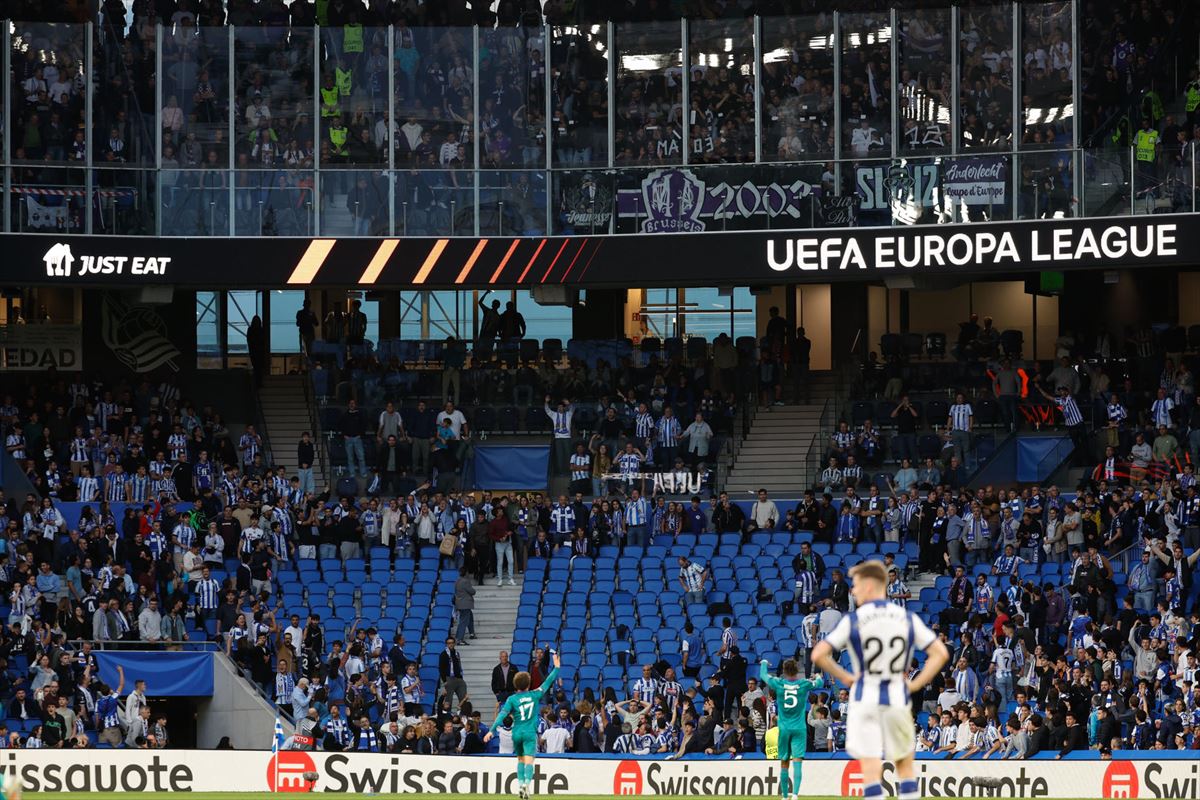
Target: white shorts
x=875, y=731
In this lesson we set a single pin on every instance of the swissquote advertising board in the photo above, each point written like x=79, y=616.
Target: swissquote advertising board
x=257, y=771
x=669, y=259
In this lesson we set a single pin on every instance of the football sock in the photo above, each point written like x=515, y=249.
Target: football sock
x=785, y=782
x=908, y=790
x=873, y=790
x=797, y=775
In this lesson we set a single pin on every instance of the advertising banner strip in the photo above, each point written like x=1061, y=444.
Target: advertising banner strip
x=640, y=260
x=362, y=773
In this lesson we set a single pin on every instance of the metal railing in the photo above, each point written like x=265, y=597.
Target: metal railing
x=320, y=445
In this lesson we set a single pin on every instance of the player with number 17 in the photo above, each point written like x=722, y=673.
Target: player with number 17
x=524, y=707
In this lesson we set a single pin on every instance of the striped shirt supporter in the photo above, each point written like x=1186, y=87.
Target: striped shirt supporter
x=249, y=537
x=1117, y=413
x=561, y=420
x=284, y=684
x=279, y=543
x=947, y=736
x=960, y=416
x=806, y=586
x=203, y=474
x=105, y=410
x=966, y=684
x=1070, y=411
x=629, y=464
x=157, y=543
x=807, y=634
x=581, y=467
x=165, y=487
x=410, y=689
x=898, y=587
x=279, y=484
x=643, y=426
x=339, y=729
x=114, y=487
x=17, y=442
x=1002, y=657
x=138, y=488
x=844, y=439
x=89, y=489
x=668, y=431
x=644, y=689
x=468, y=514
x=1160, y=411
x=636, y=512
x=184, y=534
x=370, y=523
x=17, y=600
x=562, y=519
x=393, y=700
x=693, y=576
x=208, y=593
x=728, y=639
x=176, y=445
x=79, y=451
x=249, y=445
x=286, y=525
x=1007, y=565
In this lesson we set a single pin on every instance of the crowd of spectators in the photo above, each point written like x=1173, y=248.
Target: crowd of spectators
x=271, y=114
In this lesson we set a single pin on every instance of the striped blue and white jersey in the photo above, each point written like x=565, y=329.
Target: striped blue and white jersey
x=881, y=638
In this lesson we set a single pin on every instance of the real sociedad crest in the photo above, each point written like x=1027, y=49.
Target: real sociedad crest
x=136, y=335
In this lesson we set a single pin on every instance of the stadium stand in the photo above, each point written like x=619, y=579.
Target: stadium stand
x=152, y=518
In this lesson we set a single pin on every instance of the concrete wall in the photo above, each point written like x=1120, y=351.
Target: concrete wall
x=235, y=710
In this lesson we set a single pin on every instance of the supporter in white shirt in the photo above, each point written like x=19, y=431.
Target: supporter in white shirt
x=556, y=739
x=457, y=420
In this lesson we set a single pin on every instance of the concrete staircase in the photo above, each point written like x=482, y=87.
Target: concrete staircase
x=775, y=455
x=285, y=409
x=495, y=620
x=336, y=219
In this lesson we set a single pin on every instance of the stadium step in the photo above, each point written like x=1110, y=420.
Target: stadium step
x=776, y=453
x=495, y=620
x=285, y=409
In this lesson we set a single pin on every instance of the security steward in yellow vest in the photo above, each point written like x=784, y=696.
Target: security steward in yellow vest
x=1145, y=149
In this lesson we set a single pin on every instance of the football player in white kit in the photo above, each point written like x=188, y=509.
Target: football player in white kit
x=881, y=637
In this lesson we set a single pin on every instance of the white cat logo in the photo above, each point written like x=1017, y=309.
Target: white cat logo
x=59, y=261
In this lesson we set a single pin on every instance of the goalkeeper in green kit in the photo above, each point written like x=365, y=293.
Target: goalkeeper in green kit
x=524, y=706
x=791, y=703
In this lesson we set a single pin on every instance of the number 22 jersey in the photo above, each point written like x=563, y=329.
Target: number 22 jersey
x=881, y=638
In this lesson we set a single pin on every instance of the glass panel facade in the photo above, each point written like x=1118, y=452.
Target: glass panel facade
x=512, y=85
x=798, y=86
x=720, y=118
x=649, y=118
x=271, y=130
x=866, y=84
x=985, y=77
x=284, y=337
x=47, y=89
x=1047, y=77
x=923, y=86
x=579, y=69
x=208, y=330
